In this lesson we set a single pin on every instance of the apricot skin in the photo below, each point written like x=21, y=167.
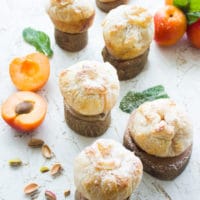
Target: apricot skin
x=193, y=34
x=168, y=2
x=170, y=25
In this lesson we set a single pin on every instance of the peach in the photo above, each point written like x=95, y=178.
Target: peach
x=24, y=110
x=193, y=34
x=170, y=25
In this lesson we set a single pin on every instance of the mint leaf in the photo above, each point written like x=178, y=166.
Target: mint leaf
x=194, y=6
x=182, y=4
x=191, y=9
x=193, y=17
x=39, y=40
x=132, y=99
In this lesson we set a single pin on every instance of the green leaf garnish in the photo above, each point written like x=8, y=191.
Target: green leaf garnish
x=191, y=9
x=194, y=6
x=39, y=40
x=182, y=4
x=133, y=100
x=193, y=17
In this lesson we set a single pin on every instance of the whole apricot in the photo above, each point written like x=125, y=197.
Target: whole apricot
x=193, y=34
x=168, y=2
x=170, y=25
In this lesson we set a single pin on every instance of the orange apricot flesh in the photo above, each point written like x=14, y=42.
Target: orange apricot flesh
x=31, y=72
x=24, y=110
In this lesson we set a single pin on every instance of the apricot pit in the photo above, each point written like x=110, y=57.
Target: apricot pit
x=24, y=107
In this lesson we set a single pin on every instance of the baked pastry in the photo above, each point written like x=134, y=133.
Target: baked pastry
x=128, y=32
x=107, y=5
x=106, y=171
x=90, y=90
x=71, y=19
x=159, y=132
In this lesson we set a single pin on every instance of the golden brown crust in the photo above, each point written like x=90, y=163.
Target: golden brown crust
x=71, y=16
x=127, y=31
x=106, y=170
x=90, y=87
x=161, y=128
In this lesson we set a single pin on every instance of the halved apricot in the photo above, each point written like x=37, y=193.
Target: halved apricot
x=24, y=110
x=31, y=72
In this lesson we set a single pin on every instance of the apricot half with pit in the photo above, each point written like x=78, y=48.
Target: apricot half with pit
x=24, y=110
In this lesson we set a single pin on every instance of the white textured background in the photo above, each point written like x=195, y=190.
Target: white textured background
x=177, y=68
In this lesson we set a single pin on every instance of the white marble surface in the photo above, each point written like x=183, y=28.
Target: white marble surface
x=177, y=68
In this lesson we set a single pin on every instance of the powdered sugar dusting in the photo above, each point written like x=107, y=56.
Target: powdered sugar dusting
x=110, y=162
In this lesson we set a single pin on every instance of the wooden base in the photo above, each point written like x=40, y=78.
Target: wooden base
x=107, y=6
x=162, y=168
x=71, y=42
x=126, y=69
x=90, y=126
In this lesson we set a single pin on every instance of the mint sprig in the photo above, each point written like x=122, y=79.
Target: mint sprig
x=193, y=17
x=191, y=9
x=39, y=40
x=133, y=99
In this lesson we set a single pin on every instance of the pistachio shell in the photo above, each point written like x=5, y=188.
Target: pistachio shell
x=46, y=151
x=56, y=169
x=34, y=142
x=44, y=169
x=15, y=162
x=31, y=188
x=50, y=195
x=67, y=193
